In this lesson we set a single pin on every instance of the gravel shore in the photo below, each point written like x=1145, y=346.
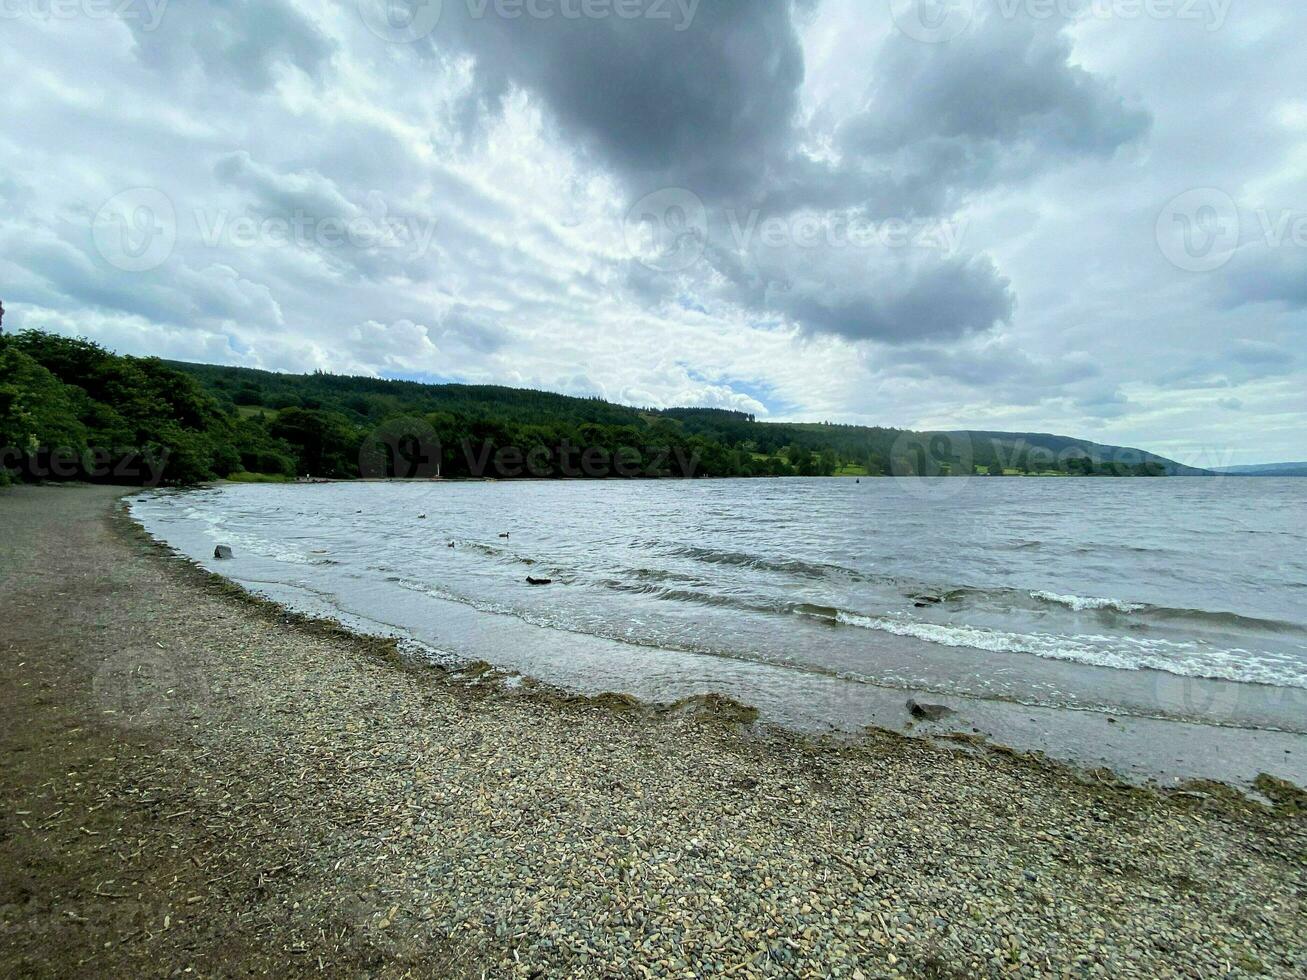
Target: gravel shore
x=196, y=782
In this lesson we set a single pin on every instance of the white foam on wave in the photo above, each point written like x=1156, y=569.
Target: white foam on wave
x=216, y=526
x=1081, y=603
x=1118, y=653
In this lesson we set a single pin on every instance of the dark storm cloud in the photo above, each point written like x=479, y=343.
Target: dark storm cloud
x=704, y=98
x=711, y=105
x=1000, y=103
x=1108, y=402
x=1269, y=275
x=889, y=298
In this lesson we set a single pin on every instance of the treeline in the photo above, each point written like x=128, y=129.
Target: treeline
x=878, y=451
x=482, y=430
x=69, y=409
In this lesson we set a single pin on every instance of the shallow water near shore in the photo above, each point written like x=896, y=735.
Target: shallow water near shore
x=1038, y=609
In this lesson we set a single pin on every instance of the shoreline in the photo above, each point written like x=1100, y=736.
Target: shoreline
x=206, y=780
x=1115, y=731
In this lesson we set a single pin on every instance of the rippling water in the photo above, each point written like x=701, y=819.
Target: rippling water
x=1179, y=597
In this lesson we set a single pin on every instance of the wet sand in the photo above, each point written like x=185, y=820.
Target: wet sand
x=192, y=779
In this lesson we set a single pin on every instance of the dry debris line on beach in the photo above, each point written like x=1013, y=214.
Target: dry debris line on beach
x=196, y=780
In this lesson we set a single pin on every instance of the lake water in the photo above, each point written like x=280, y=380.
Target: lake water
x=819, y=600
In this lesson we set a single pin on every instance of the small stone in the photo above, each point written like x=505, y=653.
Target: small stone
x=928, y=712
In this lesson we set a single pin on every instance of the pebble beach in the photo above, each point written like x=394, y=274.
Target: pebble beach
x=198, y=782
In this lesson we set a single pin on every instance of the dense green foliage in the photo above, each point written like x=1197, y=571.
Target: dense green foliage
x=70, y=409
x=134, y=420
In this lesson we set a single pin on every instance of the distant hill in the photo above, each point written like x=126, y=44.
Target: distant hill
x=70, y=409
x=1067, y=444
x=1266, y=469
x=756, y=448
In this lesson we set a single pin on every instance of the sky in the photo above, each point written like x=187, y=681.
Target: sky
x=1086, y=217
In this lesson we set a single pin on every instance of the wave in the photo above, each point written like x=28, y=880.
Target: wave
x=1118, y=653
x=696, y=597
x=784, y=566
x=666, y=575
x=1080, y=603
x=1217, y=619
x=1040, y=622
x=1187, y=659
x=1222, y=620
x=497, y=553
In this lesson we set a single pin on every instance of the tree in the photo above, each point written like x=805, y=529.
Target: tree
x=325, y=443
x=37, y=411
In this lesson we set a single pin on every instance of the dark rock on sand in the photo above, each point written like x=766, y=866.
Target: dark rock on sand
x=712, y=707
x=928, y=712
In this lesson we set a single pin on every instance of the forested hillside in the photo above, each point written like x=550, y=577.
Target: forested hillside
x=71, y=409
